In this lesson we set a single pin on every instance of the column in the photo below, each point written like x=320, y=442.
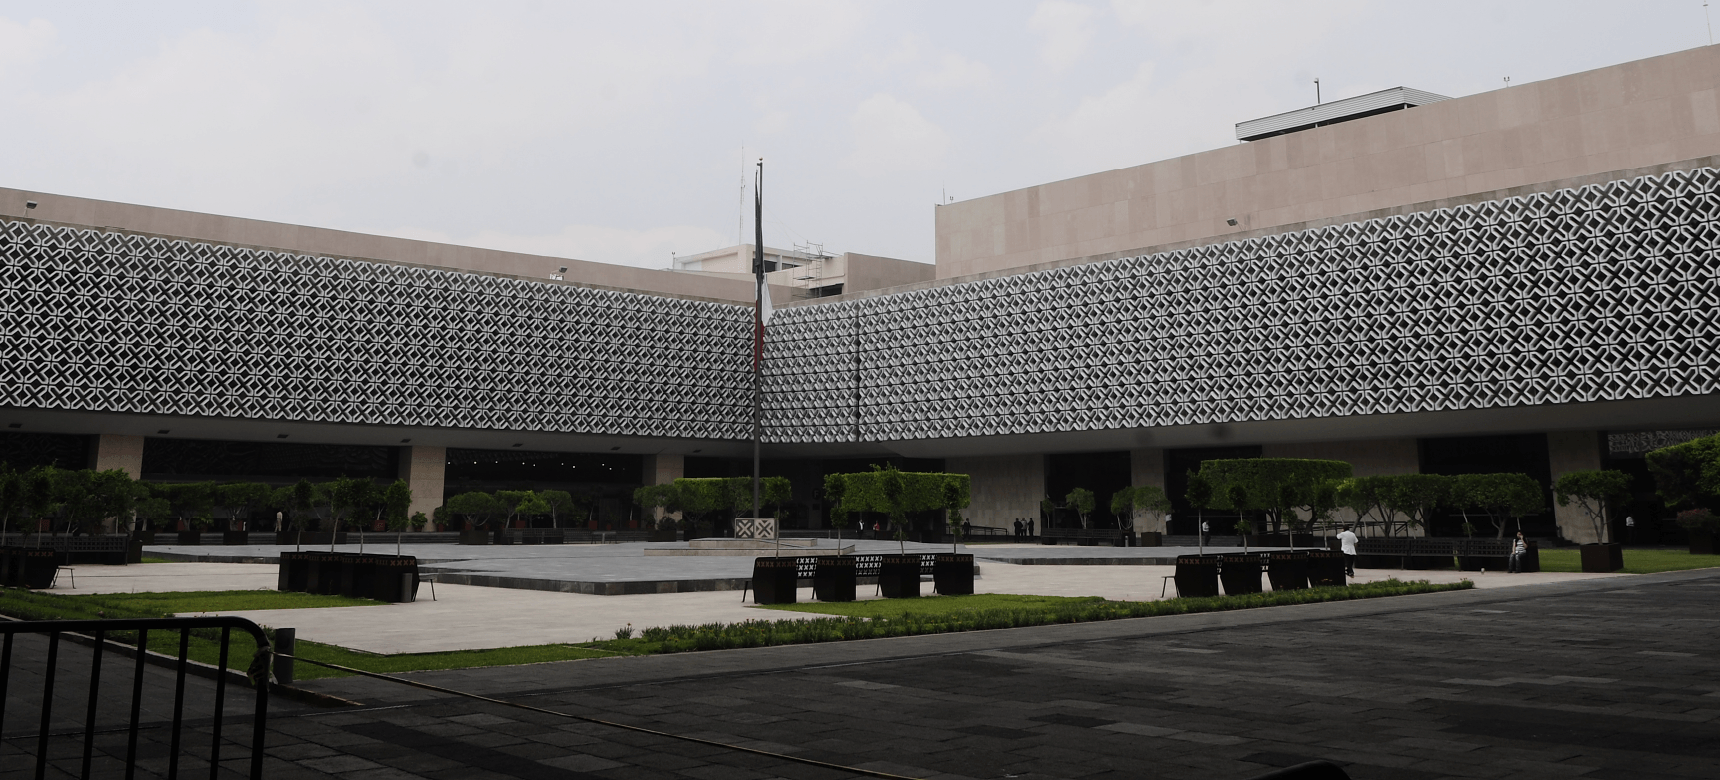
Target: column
x=662, y=470
x=125, y=453
x=1569, y=451
x=424, y=469
x=1147, y=469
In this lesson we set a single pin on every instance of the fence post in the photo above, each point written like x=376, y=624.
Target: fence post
x=284, y=643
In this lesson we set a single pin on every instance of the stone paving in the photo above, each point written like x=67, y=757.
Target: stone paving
x=1606, y=678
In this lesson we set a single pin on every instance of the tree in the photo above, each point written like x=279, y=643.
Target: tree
x=1368, y=497
x=243, y=498
x=1237, y=496
x=560, y=503
x=1417, y=497
x=1499, y=497
x=1199, y=496
x=1150, y=499
x=151, y=510
x=478, y=509
x=895, y=493
x=1265, y=480
x=835, y=487
x=1593, y=491
x=652, y=498
x=1687, y=476
x=396, y=501
x=955, y=500
x=1082, y=501
x=894, y=487
x=521, y=504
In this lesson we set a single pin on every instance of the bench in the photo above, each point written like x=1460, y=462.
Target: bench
x=1420, y=552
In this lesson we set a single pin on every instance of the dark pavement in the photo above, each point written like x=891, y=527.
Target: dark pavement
x=1608, y=678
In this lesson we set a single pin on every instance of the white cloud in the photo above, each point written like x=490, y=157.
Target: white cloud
x=647, y=248
x=22, y=44
x=892, y=136
x=956, y=72
x=1066, y=29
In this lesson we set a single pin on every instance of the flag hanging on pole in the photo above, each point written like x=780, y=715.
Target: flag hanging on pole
x=761, y=307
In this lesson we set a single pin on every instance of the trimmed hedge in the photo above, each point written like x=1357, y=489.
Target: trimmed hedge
x=699, y=496
x=868, y=491
x=1262, y=479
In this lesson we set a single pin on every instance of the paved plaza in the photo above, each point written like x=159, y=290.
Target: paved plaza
x=1602, y=678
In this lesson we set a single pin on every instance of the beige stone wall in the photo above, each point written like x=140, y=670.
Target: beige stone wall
x=662, y=470
x=425, y=470
x=1650, y=112
x=119, y=452
x=1569, y=451
x=1002, y=488
x=1147, y=469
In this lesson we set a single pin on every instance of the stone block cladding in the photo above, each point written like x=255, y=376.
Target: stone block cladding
x=1595, y=293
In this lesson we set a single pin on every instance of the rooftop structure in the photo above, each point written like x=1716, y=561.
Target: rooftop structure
x=1346, y=110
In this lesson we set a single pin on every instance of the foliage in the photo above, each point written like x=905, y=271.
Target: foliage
x=1688, y=475
x=1368, y=497
x=835, y=487
x=1593, y=491
x=477, y=509
x=1699, y=520
x=1150, y=499
x=1199, y=493
x=521, y=503
x=87, y=496
x=1271, y=485
x=1417, y=496
x=396, y=500
x=1500, y=497
x=654, y=497
x=419, y=521
x=561, y=504
x=242, y=499
x=1083, y=502
x=702, y=497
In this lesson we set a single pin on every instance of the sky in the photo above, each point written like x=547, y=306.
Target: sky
x=623, y=132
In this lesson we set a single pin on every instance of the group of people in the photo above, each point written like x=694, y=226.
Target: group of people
x=1023, y=528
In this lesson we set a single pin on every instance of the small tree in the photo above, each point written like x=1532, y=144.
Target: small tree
x=1593, y=492
x=955, y=499
x=835, y=487
x=560, y=503
x=1501, y=498
x=242, y=499
x=1417, y=497
x=658, y=498
x=1199, y=496
x=478, y=509
x=1368, y=497
x=521, y=504
x=396, y=501
x=11, y=497
x=890, y=480
x=1082, y=501
x=355, y=498
x=1237, y=496
x=1150, y=499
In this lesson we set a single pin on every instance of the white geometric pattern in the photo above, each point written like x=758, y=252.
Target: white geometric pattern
x=1606, y=292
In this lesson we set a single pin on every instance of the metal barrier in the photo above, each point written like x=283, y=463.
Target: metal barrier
x=99, y=630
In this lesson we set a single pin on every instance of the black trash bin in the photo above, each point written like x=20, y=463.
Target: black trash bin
x=39, y=566
x=774, y=581
x=834, y=578
x=899, y=576
x=1326, y=569
x=1240, y=573
x=952, y=574
x=1287, y=570
x=1197, y=575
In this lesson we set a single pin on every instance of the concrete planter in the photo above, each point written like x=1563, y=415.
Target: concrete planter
x=774, y=581
x=1239, y=573
x=834, y=579
x=1197, y=575
x=1602, y=558
x=899, y=576
x=1287, y=570
x=952, y=574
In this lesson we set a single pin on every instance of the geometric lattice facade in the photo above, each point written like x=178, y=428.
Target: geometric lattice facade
x=98, y=321
x=1606, y=292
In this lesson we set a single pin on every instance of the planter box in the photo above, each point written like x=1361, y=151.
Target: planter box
x=952, y=574
x=834, y=578
x=190, y=538
x=295, y=572
x=899, y=576
x=1152, y=539
x=1197, y=575
x=499, y=536
x=323, y=573
x=1602, y=558
x=6, y=554
x=670, y=535
x=394, y=578
x=474, y=537
x=1326, y=569
x=1239, y=573
x=1701, y=542
x=147, y=537
x=235, y=538
x=38, y=567
x=1287, y=570
x=774, y=581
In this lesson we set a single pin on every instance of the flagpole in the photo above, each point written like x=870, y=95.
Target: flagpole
x=758, y=334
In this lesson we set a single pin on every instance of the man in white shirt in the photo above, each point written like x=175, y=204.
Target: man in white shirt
x=1347, y=540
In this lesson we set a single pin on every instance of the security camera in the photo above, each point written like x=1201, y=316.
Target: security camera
x=29, y=204
x=561, y=270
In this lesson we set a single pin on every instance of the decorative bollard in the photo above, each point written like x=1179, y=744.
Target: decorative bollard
x=774, y=581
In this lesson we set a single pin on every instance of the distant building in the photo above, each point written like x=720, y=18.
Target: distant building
x=810, y=272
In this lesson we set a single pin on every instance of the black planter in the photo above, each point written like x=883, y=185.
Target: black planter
x=774, y=581
x=502, y=536
x=1197, y=575
x=1602, y=558
x=1701, y=542
x=1240, y=573
x=394, y=578
x=358, y=575
x=474, y=537
x=1152, y=539
x=899, y=576
x=235, y=538
x=38, y=568
x=1287, y=570
x=834, y=578
x=287, y=537
x=670, y=535
x=1326, y=569
x=147, y=537
x=323, y=573
x=952, y=574
x=295, y=572
x=6, y=554
x=191, y=538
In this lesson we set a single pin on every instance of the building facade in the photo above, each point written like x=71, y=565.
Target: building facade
x=1517, y=281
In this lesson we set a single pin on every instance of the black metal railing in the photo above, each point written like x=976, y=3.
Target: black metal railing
x=99, y=631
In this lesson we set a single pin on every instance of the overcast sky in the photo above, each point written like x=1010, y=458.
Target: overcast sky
x=616, y=132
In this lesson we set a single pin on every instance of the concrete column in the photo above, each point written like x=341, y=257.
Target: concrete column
x=662, y=470
x=1147, y=469
x=118, y=452
x=1569, y=451
x=425, y=470
x=1002, y=488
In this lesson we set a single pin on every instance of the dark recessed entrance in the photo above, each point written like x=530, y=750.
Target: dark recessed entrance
x=1508, y=454
x=1104, y=473
x=1178, y=464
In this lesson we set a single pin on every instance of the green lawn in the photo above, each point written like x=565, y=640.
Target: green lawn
x=1635, y=561
x=937, y=605
x=149, y=559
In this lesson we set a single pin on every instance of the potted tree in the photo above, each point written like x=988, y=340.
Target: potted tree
x=658, y=502
x=478, y=510
x=1593, y=492
x=1700, y=526
x=561, y=504
x=1082, y=501
x=1150, y=499
x=1501, y=499
x=1240, y=572
x=835, y=576
x=952, y=572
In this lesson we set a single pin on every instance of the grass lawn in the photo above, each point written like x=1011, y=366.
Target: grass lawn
x=1635, y=561
x=148, y=559
x=937, y=605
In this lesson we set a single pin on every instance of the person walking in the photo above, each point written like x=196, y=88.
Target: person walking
x=1347, y=542
x=1519, y=548
x=1630, y=529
